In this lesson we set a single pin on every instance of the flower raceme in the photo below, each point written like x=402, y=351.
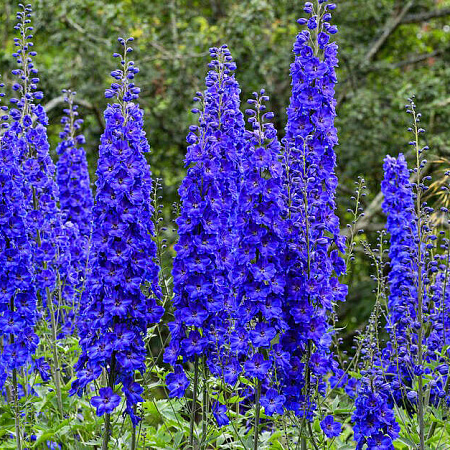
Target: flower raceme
x=76, y=199
x=123, y=252
x=72, y=170
x=18, y=300
x=398, y=205
x=46, y=232
x=257, y=272
x=202, y=298
x=312, y=227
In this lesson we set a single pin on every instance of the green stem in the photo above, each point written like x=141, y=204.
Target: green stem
x=420, y=409
x=258, y=410
x=133, y=436
x=205, y=404
x=107, y=432
x=16, y=409
x=194, y=405
x=56, y=369
x=311, y=433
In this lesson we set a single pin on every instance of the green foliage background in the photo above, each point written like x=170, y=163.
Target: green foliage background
x=75, y=40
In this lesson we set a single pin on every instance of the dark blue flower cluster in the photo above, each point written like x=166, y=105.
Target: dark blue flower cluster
x=375, y=424
x=203, y=299
x=75, y=195
x=312, y=227
x=122, y=259
x=439, y=319
x=398, y=205
x=72, y=170
x=18, y=300
x=258, y=273
x=47, y=235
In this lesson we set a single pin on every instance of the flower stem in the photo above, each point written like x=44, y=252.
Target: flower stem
x=205, y=404
x=133, y=433
x=16, y=409
x=56, y=369
x=107, y=432
x=420, y=409
x=194, y=405
x=133, y=439
x=258, y=410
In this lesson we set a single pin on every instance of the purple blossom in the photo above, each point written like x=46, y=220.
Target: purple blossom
x=220, y=414
x=311, y=227
x=273, y=402
x=208, y=194
x=177, y=382
x=330, y=428
x=117, y=312
x=106, y=401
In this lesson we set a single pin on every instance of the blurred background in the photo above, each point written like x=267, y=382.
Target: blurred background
x=389, y=50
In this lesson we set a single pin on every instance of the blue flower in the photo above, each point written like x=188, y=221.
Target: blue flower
x=47, y=234
x=330, y=428
x=257, y=367
x=220, y=413
x=18, y=299
x=106, y=401
x=177, y=382
x=208, y=194
x=311, y=226
x=72, y=171
x=122, y=291
x=374, y=420
x=76, y=200
x=273, y=402
x=398, y=205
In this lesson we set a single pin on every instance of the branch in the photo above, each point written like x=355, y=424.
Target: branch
x=71, y=23
x=426, y=15
x=54, y=102
x=170, y=55
x=413, y=59
x=390, y=26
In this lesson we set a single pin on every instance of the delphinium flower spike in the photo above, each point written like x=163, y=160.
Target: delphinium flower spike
x=312, y=257
x=258, y=274
x=76, y=199
x=46, y=233
x=72, y=169
x=374, y=420
x=418, y=293
x=18, y=300
x=398, y=205
x=203, y=300
x=122, y=257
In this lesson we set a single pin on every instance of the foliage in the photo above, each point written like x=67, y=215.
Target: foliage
x=242, y=349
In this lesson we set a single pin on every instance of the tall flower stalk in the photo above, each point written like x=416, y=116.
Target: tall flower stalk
x=18, y=301
x=258, y=274
x=122, y=263
x=313, y=252
x=46, y=233
x=76, y=199
x=409, y=302
x=203, y=299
